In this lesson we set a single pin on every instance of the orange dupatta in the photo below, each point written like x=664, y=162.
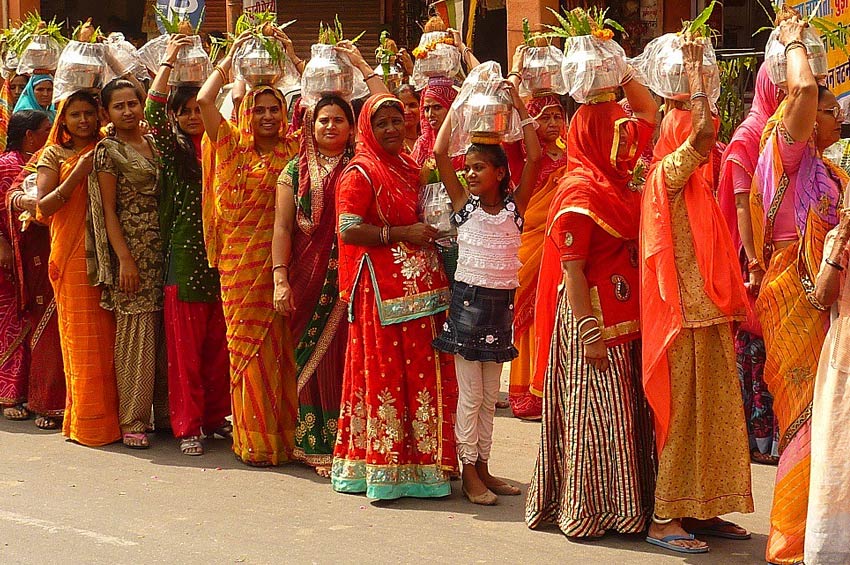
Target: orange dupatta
x=661, y=310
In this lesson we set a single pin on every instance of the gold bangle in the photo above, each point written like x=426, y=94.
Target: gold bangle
x=60, y=196
x=221, y=73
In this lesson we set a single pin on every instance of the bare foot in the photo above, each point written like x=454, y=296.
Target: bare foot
x=674, y=528
x=323, y=471
x=715, y=526
x=495, y=484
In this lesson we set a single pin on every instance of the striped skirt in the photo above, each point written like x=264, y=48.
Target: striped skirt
x=596, y=467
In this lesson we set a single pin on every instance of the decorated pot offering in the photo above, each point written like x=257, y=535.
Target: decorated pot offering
x=774, y=56
x=41, y=54
x=257, y=65
x=393, y=78
x=193, y=65
x=661, y=64
x=327, y=73
x=541, y=72
x=80, y=66
x=488, y=115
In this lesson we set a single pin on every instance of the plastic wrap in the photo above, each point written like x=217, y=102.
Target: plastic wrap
x=81, y=66
x=152, y=53
x=394, y=77
x=330, y=72
x=592, y=66
x=41, y=54
x=253, y=64
x=541, y=72
x=10, y=65
x=435, y=209
x=483, y=111
x=661, y=64
x=124, y=57
x=440, y=59
x=774, y=56
x=193, y=66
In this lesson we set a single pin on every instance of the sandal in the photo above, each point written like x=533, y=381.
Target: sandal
x=720, y=529
x=667, y=543
x=224, y=431
x=136, y=441
x=527, y=407
x=258, y=464
x=191, y=445
x=16, y=413
x=47, y=423
x=757, y=456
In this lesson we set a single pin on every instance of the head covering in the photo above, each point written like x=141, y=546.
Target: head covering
x=443, y=91
x=538, y=104
x=661, y=311
x=28, y=101
x=597, y=187
x=743, y=148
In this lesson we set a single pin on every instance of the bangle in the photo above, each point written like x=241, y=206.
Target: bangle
x=385, y=235
x=583, y=321
x=528, y=122
x=370, y=76
x=661, y=521
x=834, y=264
x=60, y=196
x=466, y=49
x=793, y=45
x=281, y=266
x=754, y=265
x=167, y=64
x=221, y=72
x=698, y=94
x=515, y=74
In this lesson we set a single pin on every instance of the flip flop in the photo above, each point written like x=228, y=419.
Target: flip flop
x=716, y=530
x=665, y=543
x=141, y=438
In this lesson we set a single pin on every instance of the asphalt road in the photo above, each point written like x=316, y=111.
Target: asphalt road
x=63, y=503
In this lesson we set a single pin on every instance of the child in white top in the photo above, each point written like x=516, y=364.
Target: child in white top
x=488, y=216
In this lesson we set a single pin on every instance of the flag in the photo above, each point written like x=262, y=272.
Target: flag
x=452, y=13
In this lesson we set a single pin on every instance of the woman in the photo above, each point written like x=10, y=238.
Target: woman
x=249, y=158
x=86, y=329
x=435, y=102
x=28, y=132
x=396, y=434
x=587, y=479
x=691, y=291
x=736, y=176
x=195, y=331
x=410, y=98
x=38, y=95
x=128, y=260
x=794, y=203
x=10, y=92
x=827, y=537
x=551, y=117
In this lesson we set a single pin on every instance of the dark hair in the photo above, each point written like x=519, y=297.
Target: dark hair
x=408, y=88
x=19, y=124
x=496, y=156
x=118, y=84
x=187, y=163
x=822, y=91
x=82, y=96
x=333, y=100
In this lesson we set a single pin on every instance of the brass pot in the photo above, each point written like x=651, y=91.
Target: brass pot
x=487, y=116
x=326, y=74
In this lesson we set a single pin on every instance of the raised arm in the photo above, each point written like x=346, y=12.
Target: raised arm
x=373, y=81
x=702, y=137
x=456, y=191
x=466, y=55
x=172, y=49
x=640, y=99
x=528, y=180
x=208, y=93
x=801, y=106
x=517, y=63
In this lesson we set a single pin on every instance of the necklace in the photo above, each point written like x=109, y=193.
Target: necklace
x=331, y=161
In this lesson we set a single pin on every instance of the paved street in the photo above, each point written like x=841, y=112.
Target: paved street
x=63, y=503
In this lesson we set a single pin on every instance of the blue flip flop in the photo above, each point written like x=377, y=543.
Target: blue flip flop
x=665, y=543
x=716, y=530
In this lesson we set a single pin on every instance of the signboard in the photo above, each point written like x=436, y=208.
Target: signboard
x=194, y=9
x=257, y=6
x=838, y=78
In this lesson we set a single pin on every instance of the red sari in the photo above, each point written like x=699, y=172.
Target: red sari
x=396, y=422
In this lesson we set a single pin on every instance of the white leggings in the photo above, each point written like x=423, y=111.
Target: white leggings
x=478, y=387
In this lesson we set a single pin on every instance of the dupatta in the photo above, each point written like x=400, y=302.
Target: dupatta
x=442, y=90
x=5, y=111
x=661, y=310
x=27, y=101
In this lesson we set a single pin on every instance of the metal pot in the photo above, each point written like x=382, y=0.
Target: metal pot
x=589, y=70
x=256, y=65
x=41, y=53
x=487, y=115
x=81, y=65
x=541, y=71
x=192, y=66
x=394, y=77
x=326, y=74
x=775, y=57
x=440, y=62
x=674, y=84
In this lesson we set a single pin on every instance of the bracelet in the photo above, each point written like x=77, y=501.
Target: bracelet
x=466, y=50
x=280, y=266
x=60, y=196
x=753, y=264
x=583, y=321
x=221, y=72
x=591, y=336
x=529, y=121
x=515, y=74
x=369, y=77
x=793, y=45
x=833, y=264
x=698, y=94
x=385, y=235
x=661, y=521
x=592, y=340
x=167, y=64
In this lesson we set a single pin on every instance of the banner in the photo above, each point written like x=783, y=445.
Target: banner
x=452, y=13
x=194, y=9
x=257, y=6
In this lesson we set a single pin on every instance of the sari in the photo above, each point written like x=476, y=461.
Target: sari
x=691, y=292
x=595, y=468
x=5, y=110
x=86, y=330
x=31, y=242
x=396, y=426
x=241, y=204
x=27, y=101
x=443, y=91
x=318, y=323
x=794, y=326
x=13, y=327
x=530, y=253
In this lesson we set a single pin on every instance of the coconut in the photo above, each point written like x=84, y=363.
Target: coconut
x=434, y=23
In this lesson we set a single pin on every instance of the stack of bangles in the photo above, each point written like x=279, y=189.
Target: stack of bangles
x=591, y=335
x=754, y=265
x=698, y=94
x=385, y=235
x=794, y=45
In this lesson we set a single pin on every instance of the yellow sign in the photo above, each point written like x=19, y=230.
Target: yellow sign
x=838, y=11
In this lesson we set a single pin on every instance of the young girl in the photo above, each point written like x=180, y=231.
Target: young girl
x=478, y=331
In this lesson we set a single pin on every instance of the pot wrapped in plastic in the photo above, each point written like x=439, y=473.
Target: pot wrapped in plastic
x=192, y=66
x=124, y=57
x=41, y=54
x=483, y=111
x=541, y=72
x=10, y=64
x=81, y=66
x=152, y=53
x=393, y=78
x=435, y=209
x=661, y=65
x=330, y=72
x=592, y=67
x=774, y=56
x=435, y=57
x=254, y=64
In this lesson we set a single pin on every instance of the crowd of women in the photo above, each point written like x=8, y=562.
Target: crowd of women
x=266, y=277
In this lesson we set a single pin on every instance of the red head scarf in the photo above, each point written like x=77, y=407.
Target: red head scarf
x=661, y=311
x=442, y=90
x=538, y=104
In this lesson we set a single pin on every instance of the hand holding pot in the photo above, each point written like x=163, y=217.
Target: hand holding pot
x=518, y=61
x=791, y=30
x=175, y=43
x=354, y=55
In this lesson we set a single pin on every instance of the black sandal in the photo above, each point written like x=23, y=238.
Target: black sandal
x=48, y=423
x=16, y=413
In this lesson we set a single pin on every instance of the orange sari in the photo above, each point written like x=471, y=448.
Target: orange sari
x=86, y=330
x=241, y=207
